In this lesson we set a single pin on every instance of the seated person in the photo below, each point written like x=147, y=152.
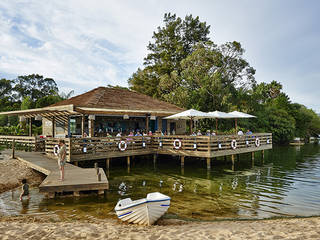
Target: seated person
x=240, y=133
x=150, y=133
x=199, y=133
x=248, y=132
x=138, y=134
x=208, y=133
x=213, y=133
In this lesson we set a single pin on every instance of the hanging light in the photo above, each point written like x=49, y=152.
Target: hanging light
x=22, y=119
x=38, y=118
x=92, y=117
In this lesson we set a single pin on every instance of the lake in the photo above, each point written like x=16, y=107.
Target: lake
x=285, y=183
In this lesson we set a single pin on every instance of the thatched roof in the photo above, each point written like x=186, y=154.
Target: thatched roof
x=118, y=99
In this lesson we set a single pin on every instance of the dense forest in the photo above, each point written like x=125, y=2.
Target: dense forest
x=185, y=67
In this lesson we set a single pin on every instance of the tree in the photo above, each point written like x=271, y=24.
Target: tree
x=34, y=86
x=172, y=43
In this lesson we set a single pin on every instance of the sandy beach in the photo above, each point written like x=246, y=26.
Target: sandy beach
x=50, y=227
x=54, y=226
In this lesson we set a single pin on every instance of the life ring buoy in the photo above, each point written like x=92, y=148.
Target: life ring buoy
x=175, y=142
x=122, y=146
x=143, y=144
x=194, y=146
x=219, y=145
x=257, y=142
x=268, y=141
x=234, y=144
x=56, y=149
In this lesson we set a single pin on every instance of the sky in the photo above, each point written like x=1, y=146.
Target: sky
x=84, y=44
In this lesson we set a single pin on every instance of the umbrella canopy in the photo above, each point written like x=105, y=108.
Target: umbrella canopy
x=237, y=115
x=218, y=114
x=191, y=115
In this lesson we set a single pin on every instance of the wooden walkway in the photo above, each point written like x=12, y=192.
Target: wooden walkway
x=76, y=179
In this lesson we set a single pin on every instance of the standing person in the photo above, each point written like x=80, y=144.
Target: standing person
x=62, y=158
x=25, y=189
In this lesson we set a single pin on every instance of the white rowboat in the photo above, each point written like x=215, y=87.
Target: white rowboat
x=145, y=211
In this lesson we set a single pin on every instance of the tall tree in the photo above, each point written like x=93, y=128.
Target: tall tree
x=172, y=43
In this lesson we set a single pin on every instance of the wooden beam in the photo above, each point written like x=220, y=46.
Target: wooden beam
x=147, y=123
x=82, y=125
x=30, y=127
x=53, y=127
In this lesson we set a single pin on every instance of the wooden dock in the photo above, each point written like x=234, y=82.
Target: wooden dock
x=76, y=180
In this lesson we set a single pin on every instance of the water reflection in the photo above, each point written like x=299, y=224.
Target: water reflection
x=286, y=183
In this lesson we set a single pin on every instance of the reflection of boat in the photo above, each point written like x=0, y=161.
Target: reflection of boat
x=144, y=211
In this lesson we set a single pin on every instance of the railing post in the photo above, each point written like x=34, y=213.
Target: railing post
x=13, y=148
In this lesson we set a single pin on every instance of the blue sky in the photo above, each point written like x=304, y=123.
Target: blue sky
x=85, y=44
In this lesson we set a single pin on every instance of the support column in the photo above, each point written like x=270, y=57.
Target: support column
x=182, y=161
x=232, y=159
x=53, y=127
x=262, y=153
x=208, y=163
x=147, y=123
x=108, y=163
x=82, y=125
x=238, y=157
x=154, y=159
x=128, y=161
x=30, y=127
x=91, y=128
x=76, y=164
x=252, y=158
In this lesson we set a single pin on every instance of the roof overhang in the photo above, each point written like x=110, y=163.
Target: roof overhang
x=60, y=113
x=86, y=110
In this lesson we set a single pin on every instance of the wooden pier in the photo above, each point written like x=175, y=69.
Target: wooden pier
x=76, y=180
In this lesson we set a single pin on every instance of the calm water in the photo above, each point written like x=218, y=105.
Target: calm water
x=286, y=183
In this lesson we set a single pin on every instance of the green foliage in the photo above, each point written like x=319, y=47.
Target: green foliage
x=186, y=68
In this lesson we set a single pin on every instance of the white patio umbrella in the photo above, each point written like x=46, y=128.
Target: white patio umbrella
x=237, y=115
x=218, y=114
x=191, y=115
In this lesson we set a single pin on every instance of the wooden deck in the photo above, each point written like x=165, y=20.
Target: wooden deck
x=76, y=179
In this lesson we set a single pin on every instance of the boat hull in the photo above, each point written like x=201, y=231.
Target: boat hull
x=144, y=211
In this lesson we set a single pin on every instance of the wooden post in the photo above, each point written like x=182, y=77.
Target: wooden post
x=262, y=152
x=76, y=194
x=53, y=127
x=13, y=148
x=82, y=125
x=128, y=161
x=182, y=161
x=108, y=163
x=91, y=128
x=30, y=127
x=76, y=164
x=232, y=159
x=252, y=158
x=208, y=163
x=154, y=159
x=147, y=123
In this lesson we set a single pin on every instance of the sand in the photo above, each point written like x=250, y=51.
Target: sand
x=12, y=171
x=50, y=227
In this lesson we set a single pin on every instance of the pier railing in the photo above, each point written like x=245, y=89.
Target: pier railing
x=23, y=142
x=109, y=147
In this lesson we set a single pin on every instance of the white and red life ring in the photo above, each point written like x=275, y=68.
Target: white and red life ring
x=177, y=144
x=257, y=142
x=56, y=149
x=234, y=144
x=122, y=146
